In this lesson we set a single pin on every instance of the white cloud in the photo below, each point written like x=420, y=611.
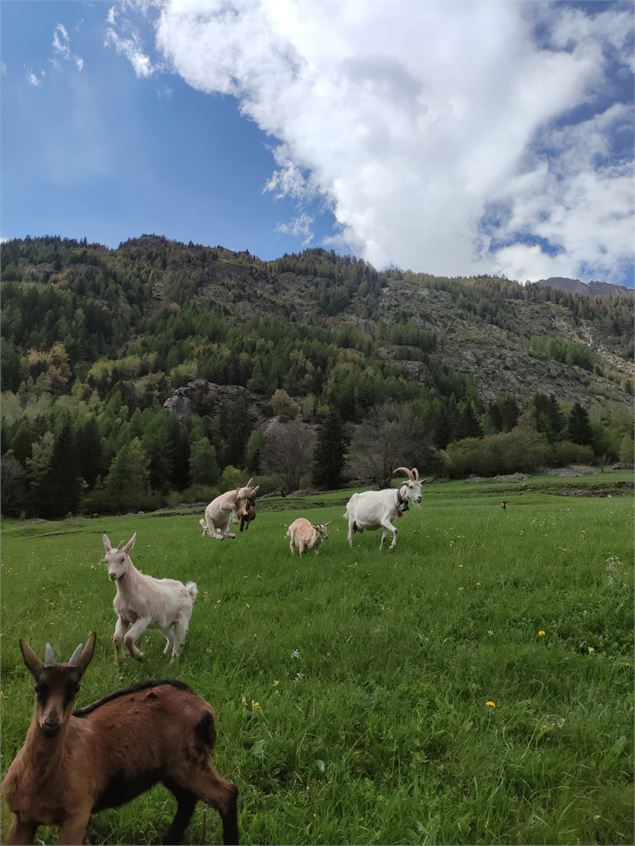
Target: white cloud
x=124, y=37
x=299, y=227
x=62, y=48
x=413, y=120
x=33, y=79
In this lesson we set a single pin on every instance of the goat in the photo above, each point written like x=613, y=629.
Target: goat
x=249, y=515
x=304, y=535
x=219, y=512
x=377, y=509
x=143, y=602
x=102, y=756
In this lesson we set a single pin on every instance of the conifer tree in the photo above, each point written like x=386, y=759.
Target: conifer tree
x=204, y=469
x=128, y=481
x=580, y=431
x=328, y=458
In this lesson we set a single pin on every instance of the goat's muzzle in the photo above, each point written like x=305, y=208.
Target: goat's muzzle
x=115, y=578
x=50, y=729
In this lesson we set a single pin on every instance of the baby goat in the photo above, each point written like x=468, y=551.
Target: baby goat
x=104, y=755
x=304, y=535
x=142, y=601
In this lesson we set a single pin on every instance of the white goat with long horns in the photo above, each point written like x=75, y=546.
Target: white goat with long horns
x=378, y=509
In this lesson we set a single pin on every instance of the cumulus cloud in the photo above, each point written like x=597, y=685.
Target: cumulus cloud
x=453, y=138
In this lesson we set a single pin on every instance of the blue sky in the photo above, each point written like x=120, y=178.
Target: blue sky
x=452, y=138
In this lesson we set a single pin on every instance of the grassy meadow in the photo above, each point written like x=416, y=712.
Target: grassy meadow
x=351, y=687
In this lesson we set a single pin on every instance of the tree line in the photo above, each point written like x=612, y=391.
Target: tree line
x=94, y=341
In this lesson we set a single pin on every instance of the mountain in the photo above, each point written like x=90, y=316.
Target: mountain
x=586, y=289
x=184, y=303
x=161, y=372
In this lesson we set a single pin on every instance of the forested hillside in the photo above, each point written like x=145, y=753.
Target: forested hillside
x=159, y=371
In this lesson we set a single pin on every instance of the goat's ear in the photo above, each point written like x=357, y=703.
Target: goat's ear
x=130, y=543
x=33, y=663
x=81, y=657
x=107, y=544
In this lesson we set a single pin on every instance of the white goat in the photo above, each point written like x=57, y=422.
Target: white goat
x=237, y=504
x=378, y=509
x=144, y=602
x=304, y=535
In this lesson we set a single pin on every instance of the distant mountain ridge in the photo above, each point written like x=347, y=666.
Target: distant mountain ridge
x=585, y=289
x=390, y=332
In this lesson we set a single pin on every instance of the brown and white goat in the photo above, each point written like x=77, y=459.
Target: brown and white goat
x=105, y=754
x=304, y=535
x=238, y=504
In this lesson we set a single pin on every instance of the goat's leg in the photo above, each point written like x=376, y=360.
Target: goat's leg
x=186, y=803
x=134, y=632
x=74, y=828
x=222, y=795
x=169, y=640
x=351, y=523
x=117, y=638
x=21, y=831
x=291, y=547
x=383, y=538
x=180, y=630
x=386, y=524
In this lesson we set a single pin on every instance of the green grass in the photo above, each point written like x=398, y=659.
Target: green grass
x=350, y=686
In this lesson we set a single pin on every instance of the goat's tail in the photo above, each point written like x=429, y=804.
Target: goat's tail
x=192, y=590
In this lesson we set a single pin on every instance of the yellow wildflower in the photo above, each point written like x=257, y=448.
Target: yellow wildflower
x=541, y=633
x=255, y=706
x=490, y=703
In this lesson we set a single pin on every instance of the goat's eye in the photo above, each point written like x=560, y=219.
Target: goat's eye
x=41, y=690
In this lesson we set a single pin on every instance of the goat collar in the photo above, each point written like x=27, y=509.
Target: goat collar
x=401, y=500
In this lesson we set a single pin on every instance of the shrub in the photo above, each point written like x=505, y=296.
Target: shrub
x=566, y=452
x=521, y=450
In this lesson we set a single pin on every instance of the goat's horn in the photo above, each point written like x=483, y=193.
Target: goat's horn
x=415, y=474
x=75, y=656
x=328, y=524
x=248, y=484
x=49, y=658
x=405, y=470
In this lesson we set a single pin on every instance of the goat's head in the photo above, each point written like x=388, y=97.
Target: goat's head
x=247, y=491
x=56, y=684
x=322, y=530
x=413, y=484
x=117, y=559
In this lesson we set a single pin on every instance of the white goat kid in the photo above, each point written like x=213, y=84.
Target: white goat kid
x=378, y=509
x=144, y=602
x=234, y=504
x=305, y=535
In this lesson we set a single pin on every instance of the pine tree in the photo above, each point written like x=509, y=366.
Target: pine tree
x=204, y=469
x=65, y=481
x=580, y=431
x=328, y=458
x=90, y=451
x=128, y=481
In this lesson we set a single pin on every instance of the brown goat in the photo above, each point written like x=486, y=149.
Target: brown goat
x=248, y=513
x=105, y=754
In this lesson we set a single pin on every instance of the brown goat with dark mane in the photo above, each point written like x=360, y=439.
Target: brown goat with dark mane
x=105, y=754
